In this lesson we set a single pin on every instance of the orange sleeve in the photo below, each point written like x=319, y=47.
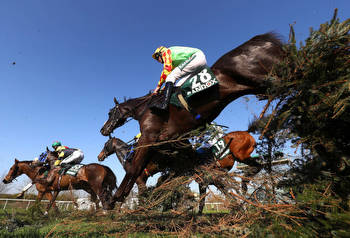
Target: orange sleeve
x=167, y=67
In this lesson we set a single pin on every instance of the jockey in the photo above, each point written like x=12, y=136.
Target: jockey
x=66, y=155
x=178, y=62
x=208, y=139
x=130, y=152
x=216, y=133
x=36, y=161
x=41, y=159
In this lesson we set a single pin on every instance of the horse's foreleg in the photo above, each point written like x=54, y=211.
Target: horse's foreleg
x=255, y=168
x=52, y=199
x=202, y=194
x=141, y=182
x=48, y=195
x=138, y=164
x=40, y=196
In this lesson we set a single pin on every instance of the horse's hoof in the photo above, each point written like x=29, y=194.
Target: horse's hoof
x=46, y=213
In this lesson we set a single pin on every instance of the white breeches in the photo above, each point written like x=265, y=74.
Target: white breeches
x=185, y=70
x=75, y=158
x=27, y=187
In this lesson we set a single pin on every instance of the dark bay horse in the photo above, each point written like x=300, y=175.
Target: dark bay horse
x=121, y=149
x=240, y=144
x=95, y=179
x=242, y=71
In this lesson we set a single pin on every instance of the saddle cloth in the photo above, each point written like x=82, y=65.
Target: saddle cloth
x=192, y=88
x=220, y=149
x=74, y=169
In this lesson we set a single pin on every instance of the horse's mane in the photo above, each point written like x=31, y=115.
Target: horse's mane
x=25, y=161
x=139, y=104
x=123, y=143
x=134, y=101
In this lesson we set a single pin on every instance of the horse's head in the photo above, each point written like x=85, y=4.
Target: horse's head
x=51, y=156
x=114, y=145
x=116, y=118
x=107, y=150
x=14, y=172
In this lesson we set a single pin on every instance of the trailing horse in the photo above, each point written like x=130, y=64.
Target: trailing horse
x=239, y=144
x=241, y=71
x=95, y=179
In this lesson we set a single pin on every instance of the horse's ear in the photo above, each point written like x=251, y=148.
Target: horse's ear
x=47, y=149
x=16, y=161
x=115, y=101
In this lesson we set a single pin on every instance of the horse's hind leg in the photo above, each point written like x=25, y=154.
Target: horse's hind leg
x=48, y=195
x=108, y=185
x=202, y=191
x=254, y=168
x=94, y=198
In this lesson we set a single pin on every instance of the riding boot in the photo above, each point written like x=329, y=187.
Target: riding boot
x=64, y=168
x=167, y=94
x=168, y=90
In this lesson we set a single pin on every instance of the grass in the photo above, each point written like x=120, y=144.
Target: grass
x=32, y=223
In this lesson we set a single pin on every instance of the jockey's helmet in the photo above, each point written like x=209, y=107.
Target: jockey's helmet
x=158, y=52
x=56, y=144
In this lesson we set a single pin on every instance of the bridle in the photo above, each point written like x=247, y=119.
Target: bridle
x=14, y=174
x=120, y=120
x=125, y=116
x=108, y=148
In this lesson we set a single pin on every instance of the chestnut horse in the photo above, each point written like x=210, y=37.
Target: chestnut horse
x=240, y=144
x=95, y=179
x=241, y=71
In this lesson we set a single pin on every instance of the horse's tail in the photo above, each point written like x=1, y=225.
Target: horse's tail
x=109, y=184
x=109, y=181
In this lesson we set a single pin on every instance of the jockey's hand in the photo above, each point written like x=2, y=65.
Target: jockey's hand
x=156, y=91
x=57, y=162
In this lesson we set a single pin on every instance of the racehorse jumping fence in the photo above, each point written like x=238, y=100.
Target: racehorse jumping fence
x=25, y=203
